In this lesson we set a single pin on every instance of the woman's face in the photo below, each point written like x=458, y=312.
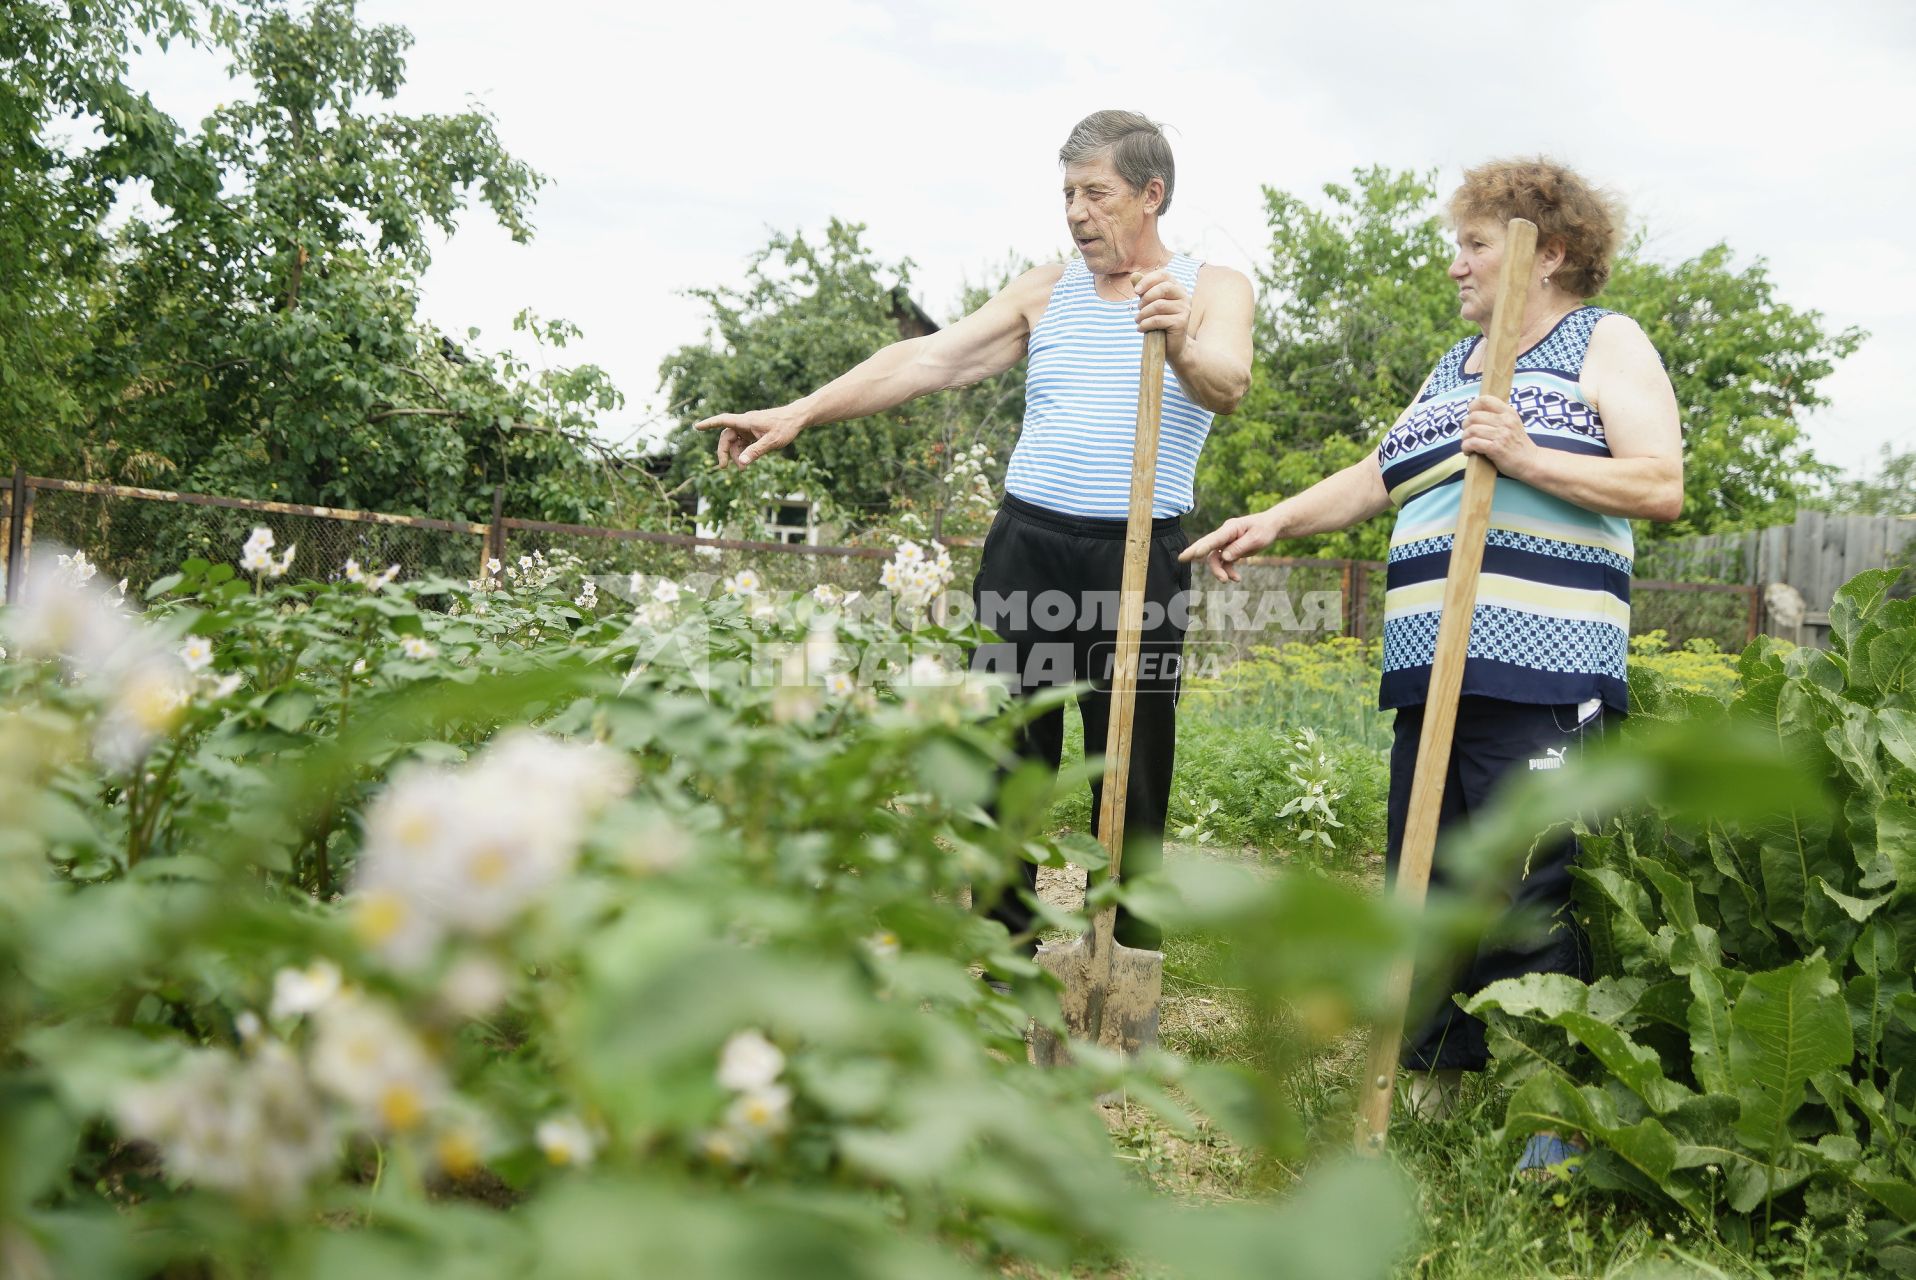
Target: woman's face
x=1480, y=256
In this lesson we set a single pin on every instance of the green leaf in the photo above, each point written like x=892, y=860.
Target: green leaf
x=1591, y=1018
x=1897, y=729
x=1709, y=1030
x=289, y=709
x=1549, y=1102
x=1786, y=1025
x=1857, y=909
x=163, y=584
x=1855, y=601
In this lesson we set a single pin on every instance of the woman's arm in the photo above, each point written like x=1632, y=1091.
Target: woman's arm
x=1622, y=380
x=1338, y=501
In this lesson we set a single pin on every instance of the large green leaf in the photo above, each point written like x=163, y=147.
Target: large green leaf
x=1549, y=1102
x=1786, y=1025
x=1896, y=728
x=1855, y=601
x=1709, y=1030
x=1592, y=1016
x=1690, y=941
x=1627, y=905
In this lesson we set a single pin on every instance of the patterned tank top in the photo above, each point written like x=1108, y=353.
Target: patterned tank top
x=1081, y=407
x=1552, y=623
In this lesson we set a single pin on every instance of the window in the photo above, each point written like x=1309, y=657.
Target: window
x=789, y=520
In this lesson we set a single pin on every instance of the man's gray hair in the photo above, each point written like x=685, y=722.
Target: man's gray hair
x=1137, y=145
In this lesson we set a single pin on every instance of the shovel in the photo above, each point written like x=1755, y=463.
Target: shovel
x=1446, y=683
x=1111, y=991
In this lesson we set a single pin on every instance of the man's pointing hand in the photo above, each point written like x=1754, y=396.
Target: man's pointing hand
x=746, y=437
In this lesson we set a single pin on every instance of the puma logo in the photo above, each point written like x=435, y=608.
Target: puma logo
x=1552, y=758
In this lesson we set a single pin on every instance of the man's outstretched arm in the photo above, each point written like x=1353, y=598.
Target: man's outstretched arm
x=986, y=342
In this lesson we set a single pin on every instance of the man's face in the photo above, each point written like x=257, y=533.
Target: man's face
x=1106, y=217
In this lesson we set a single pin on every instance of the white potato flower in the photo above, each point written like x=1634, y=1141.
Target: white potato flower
x=197, y=653
x=418, y=648
x=749, y=1061
x=760, y=1113
x=251, y=1128
x=566, y=1140
x=743, y=583
x=366, y=1055
x=297, y=992
x=467, y=851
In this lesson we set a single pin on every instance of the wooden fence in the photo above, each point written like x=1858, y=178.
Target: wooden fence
x=1814, y=556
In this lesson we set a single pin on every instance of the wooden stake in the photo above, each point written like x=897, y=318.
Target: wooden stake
x=1446, y=683
x=1111, y=992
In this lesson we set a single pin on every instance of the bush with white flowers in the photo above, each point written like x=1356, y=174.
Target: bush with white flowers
x=561, y=928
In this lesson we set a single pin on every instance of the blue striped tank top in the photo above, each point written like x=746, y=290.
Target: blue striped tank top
x=1081, y=407
x=1552, y=623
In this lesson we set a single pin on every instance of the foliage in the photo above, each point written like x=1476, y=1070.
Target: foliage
x=57, y=61
x=1746, y=368
x=1698, y=666
x=261, y=335
x=333, y=927
x=1748, y=1035
x=810, y=310
x=263, y=338
x=1353, y=311
x=1356, y=307
x=1890, y=490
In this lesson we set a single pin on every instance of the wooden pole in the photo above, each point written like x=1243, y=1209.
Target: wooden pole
x=493, y=545
x=1446, y=683
x=17, y=536
x=1124, y=669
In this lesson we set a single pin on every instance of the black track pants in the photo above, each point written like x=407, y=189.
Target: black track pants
x=1048, y=585
x=1495, y=739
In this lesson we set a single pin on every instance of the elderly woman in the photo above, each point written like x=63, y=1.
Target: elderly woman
x=1588, y=441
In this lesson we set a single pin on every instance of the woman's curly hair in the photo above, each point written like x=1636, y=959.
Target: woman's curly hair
x=1586, y=220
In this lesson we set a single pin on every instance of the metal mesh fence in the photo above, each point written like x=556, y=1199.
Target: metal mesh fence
x=141, y=535
x=141, y=539
x=1719, y=616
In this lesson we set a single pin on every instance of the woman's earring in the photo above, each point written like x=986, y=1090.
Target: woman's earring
x=1546, y=282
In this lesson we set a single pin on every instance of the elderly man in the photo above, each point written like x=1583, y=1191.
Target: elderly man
x=1048, y=583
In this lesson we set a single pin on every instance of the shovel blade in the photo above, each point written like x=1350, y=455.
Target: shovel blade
x=1120, y=1012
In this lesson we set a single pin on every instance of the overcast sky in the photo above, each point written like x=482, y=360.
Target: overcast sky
x=677, y=135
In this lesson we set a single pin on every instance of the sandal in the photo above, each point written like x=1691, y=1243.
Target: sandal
x=1546, y=1155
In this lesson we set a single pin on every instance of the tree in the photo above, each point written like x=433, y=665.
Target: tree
x=1887, y=490
x=61, y=61
x=1357, y=307
x=1746, y=368
x=264, y=338
x=808, y=311
x=1353, y=313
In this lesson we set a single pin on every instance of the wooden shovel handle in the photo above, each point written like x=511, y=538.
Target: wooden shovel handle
x=1137, y=563
x=1375, y=1087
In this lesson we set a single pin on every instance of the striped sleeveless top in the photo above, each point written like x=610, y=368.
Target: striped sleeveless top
x=1552, y=623
x=1081, y=407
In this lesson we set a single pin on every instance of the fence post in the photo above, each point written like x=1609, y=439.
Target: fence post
x=1360, y=601
x=1350, y=601
x=1756, y=615
x=17, y=535
x=493, y=545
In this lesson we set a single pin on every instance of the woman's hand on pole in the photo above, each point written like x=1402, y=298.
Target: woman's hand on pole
x=1493, y=430
x=1231, y=541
